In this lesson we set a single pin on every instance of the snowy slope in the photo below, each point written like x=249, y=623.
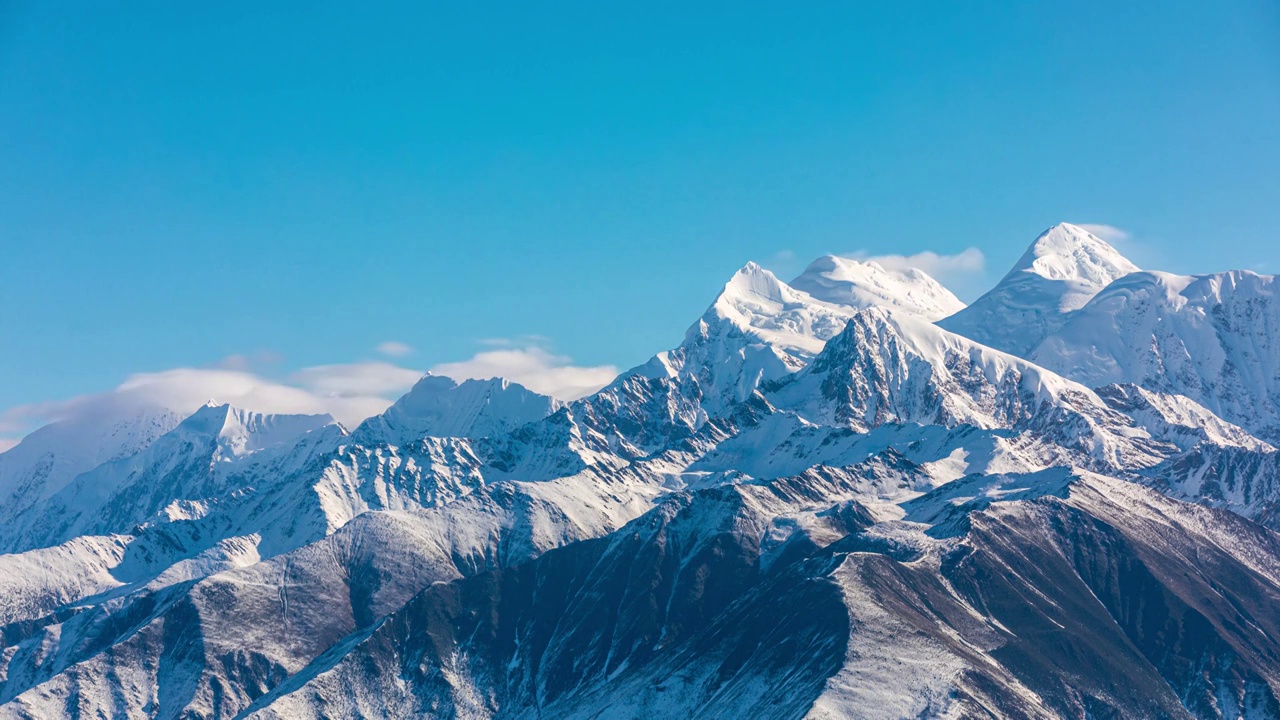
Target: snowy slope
x=791, y=600
x=1059, y=273
x=52, y=456
x=888, y=368
x=866, y=284
x=1212, y=338
x=208, y=456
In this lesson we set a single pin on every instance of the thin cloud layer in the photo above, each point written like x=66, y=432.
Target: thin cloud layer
x=966, y=262
x=350, y=392
x=1110, y=233
x=534, y=367
x=963, y=273
x=394, y=348
x=184, y=390
x=356, y=379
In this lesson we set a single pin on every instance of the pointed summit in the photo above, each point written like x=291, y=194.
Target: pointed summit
x=1061, y=271
x=753, y=280
x=238, y=432
x=865, y=284
x=1070, y=253
x=758, y=329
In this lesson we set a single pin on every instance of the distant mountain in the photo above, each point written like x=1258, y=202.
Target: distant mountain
x=1061, y=271
x=866, y=284
x=207, y=457
x=47, y=460
x=439, y=407
x=1061, y=501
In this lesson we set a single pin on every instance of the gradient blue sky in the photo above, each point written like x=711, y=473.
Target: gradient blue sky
x=184, y=182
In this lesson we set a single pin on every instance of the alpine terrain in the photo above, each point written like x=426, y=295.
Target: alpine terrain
x=848, y=495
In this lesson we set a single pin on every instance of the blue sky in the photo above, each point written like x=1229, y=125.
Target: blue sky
x=272, y=189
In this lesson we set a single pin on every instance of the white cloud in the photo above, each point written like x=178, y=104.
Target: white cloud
x=1110, y=233
x=532, y=366
x=519, y=341
x=393, y=348
x=966, y=262
x=356, y=379
x=350, y=393
x=245, y=363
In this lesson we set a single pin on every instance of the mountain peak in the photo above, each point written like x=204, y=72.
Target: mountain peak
x=238, y=432
x=757, y=304
x=1062, y=270
x=1069, y=252
x=753, y=279
x=862, y=284
x=439, y=406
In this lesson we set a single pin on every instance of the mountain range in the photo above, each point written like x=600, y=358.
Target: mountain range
x=846, y=495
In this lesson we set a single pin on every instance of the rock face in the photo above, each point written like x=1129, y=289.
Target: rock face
x=819, y=505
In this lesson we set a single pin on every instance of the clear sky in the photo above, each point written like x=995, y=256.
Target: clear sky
x=291, y=187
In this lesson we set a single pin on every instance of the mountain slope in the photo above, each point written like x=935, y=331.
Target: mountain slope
x=749, y=600
x=207, y=457
x=51, y=457
x=887, y=368
x=1211, y=338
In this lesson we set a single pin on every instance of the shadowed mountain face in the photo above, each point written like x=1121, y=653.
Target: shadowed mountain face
x=821, y=504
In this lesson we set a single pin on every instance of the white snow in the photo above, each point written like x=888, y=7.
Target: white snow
x=866, y=284
x=1059, y=273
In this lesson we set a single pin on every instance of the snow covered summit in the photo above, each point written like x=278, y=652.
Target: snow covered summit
x=1059, y=273
x=866, y=284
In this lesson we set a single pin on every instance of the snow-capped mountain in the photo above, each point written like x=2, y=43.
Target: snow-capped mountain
x=760, y=329
x=1061, y=271
x=207, y=458
x=867, y=284
x=52, y=456
x=1211, y=338
x=889, y=369
x=757, y=329
x=820, y=504
x=440, y=407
